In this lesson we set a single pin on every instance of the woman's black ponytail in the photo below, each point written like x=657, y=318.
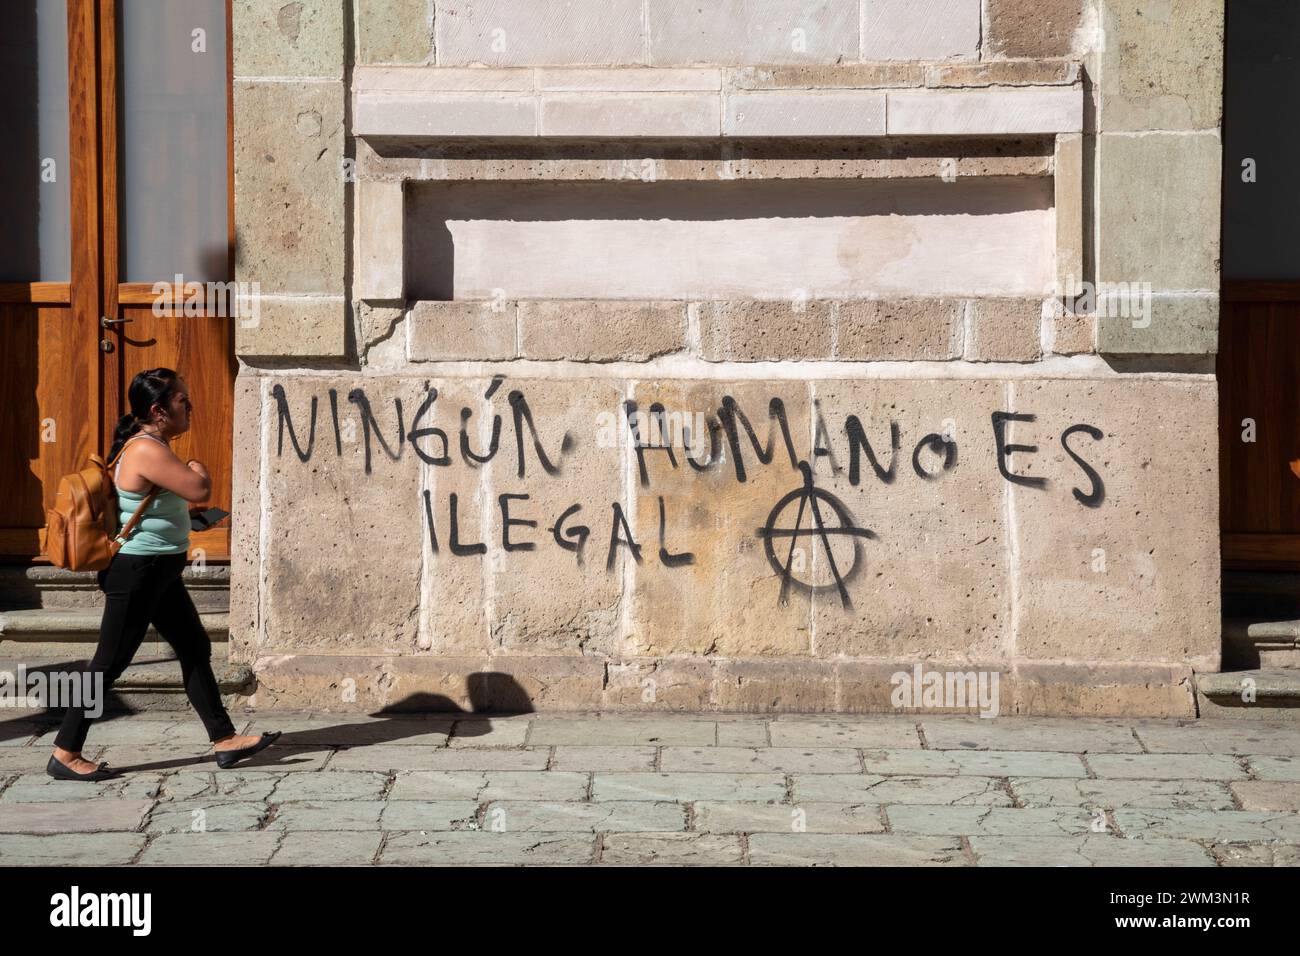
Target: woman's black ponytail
x=149, y=388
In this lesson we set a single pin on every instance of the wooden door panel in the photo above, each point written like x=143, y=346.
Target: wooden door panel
x=1259, y=382
x=48, y=399
x=200, y=348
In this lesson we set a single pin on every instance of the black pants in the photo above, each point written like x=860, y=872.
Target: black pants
x=140, y=590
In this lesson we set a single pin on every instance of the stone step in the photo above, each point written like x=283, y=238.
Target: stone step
x=148, y=683
x=1272, y=693
x=1266, y=644
x=73, y=634
x=43, y=586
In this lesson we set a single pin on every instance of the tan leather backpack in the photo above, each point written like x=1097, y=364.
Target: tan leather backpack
x=81, y=529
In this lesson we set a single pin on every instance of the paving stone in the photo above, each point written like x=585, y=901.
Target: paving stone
x=42, y=788
x=1167, y=766
x=132, y=758
x=624, y=815
x=671, y=849
x=207, y=815
x=490, y=733
x=1223, y=737
x=230, y=784
x=184, y=734
x=210, y=849
x=1275, y=768
x=1165, y=794
x=480, y=787
x=873, y=849
x=70, y=849
x=985, y=763
x=993, y=821
x=861, y=788
x=1227, y=826
x=339, y=731
x=817, y=817
x=1090, y=849
x=747, y=760
x=430, y=815
x=871, y=732
x=327, y=815
x=588, y=731
x=395, y=759
x=687, y=787
x=1256, y=854
x=607, y=758
x=1065, y=735
x=1267, y=794
x=478, y=848
x=747, y=733
x=73, y=816
x=19, y=733
x=331, y=785
x=339, y=848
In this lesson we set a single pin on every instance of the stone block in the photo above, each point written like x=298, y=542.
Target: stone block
x=854, y=849
x=766, y=330
x=449, y=79
x=289, y=214
x=342, y=571
x=629, y=80
x=1003, y=73
x=1137, y=546
x=1088, y=849
x=742, y=32
x=689, y=787
x=860, y=788
x=380, y=114
x=601, y=329
x=1112, y=793
x=775, y=113
x=778, y=818
x=474, y=330
x=246, y=514
x=290, y=39
x=294, y=326
x=1005, y=330
x=1162, y=65
x=1050, y=109
x=674, y=684
x=629, y=114
x=394, y=31
x=689, y=500
x=1158, y=209
x=1072, y=333
x=926, y=30
x=465, y=848
x=934, y=510
x=1067, y=184
x=1032, y=28
x=526, y=33
x=759, y=686
x=1175, y=325
x=380, y=251
x=821, y=76
x=671, y=849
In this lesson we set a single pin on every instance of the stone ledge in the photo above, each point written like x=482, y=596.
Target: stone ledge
x=397, y=102
x=438, y=683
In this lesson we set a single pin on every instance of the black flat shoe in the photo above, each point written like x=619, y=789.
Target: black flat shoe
x=60, y=771
x=228, y=758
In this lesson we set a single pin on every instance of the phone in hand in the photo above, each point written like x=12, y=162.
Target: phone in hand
x=203, y=520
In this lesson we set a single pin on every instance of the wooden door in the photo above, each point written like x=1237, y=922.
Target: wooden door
x=147, y=176
x=1259, y=418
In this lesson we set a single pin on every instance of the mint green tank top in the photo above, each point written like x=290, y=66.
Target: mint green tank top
x=163, y=528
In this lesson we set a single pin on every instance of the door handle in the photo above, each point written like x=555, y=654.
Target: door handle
x=105, y=321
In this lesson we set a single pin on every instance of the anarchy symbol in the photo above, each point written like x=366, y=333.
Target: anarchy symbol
x=809, y=496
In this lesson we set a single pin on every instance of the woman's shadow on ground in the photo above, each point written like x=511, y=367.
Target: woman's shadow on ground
x=491, y=695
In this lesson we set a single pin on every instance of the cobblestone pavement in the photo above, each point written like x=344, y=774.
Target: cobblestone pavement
x=574, y=789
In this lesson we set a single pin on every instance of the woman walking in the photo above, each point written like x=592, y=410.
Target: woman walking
x=143, y=585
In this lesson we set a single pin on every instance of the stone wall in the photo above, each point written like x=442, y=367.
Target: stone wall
x=639, y=354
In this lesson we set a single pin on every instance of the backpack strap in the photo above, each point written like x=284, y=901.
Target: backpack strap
x=122, y=535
